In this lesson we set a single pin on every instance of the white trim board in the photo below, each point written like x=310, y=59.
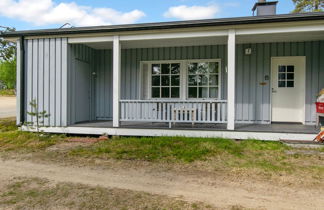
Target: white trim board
x=172, y=132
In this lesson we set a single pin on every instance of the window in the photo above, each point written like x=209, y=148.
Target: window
x=286, y=76
x=203, y=79
x=165, y=80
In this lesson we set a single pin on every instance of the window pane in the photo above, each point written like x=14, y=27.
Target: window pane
x=175, y=80
x=192, y=80
x=282, y=76
x=281, y=84
x=282, y=69
x=290, y=84
x=203, y=80
x=165, y=80
x=213, y=67
x=156, y=69
x=175, y=92
x=290, y=76
x=203, y=92
x=213, y=92
x=155, y=92
x=192, y=68
x=155, y=80
x=175, y=68
x=290, y=68
x=165, y=92
x=213, y=80
x=202, y=68
x=192, y=93
x=165, y=68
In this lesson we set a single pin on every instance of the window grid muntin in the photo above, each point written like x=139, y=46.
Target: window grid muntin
x=170, y=75
x=207, y=74
x=286, y=76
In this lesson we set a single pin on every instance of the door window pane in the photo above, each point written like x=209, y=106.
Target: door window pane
x=192, y=68
x=290, y=84
x=290, y=68
x=213, y=92
x=286, y=76
x=203, y=92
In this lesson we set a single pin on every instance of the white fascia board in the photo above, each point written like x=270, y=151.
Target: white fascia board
x=173, y=35
x=274, y=30
x=79, y=40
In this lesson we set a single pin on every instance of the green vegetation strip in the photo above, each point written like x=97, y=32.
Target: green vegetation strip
x=220, y=154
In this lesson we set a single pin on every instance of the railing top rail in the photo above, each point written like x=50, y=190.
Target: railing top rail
x=173, y=101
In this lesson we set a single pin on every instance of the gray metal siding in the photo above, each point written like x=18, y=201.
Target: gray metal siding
x=84, y=54
x=46, y=78
x=252, y=99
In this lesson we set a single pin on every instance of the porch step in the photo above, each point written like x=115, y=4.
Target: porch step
x=303, y=144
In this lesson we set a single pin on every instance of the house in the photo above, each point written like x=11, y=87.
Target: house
x=246, y=77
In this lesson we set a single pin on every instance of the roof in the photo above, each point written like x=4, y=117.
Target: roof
x=171, y=25
x=264, y=4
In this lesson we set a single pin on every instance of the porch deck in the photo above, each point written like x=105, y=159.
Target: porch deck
x=267, y=128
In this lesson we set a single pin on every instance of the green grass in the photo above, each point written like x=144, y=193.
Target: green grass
x=34, y=193
x=7, y=92
x=11, y=139
x=173, y=149
x=219, y=154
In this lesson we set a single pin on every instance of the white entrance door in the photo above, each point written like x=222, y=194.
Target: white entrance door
x=288, y=89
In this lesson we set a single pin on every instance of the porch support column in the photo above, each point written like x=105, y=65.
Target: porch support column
x=231, y=80
x=116, y=80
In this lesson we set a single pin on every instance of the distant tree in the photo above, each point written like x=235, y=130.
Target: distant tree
x=7, y=49
x=7, y=61
x=308, y=6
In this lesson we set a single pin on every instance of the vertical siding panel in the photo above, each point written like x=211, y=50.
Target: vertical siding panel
x=321, y=68
x=52, y=82
x=309, y=70
x=239, y=83
x=64, y=89
x=35, y=73
x=246, y=82
x=58, y=80
x=41, y=75
x=133, y=75
x=266, y=89
x=259, y=70
x=315, y=79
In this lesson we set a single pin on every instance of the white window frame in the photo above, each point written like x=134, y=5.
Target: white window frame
x=183, y=78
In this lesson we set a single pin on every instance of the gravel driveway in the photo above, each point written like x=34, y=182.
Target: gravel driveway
x=7, y=106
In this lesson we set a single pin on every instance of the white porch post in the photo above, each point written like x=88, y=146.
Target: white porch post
x=231, y=80
x=116, y=80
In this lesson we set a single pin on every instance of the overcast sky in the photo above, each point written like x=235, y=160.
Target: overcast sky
x=35, y=14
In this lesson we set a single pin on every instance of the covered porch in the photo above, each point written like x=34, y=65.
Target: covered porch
x=122, y=72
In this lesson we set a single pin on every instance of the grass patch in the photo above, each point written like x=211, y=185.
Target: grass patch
x=11, y=139
x=23, y=193
x=173, y=149
x=203, y=153
x=8, y=92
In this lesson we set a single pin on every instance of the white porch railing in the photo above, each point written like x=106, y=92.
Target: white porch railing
x=192, y=111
